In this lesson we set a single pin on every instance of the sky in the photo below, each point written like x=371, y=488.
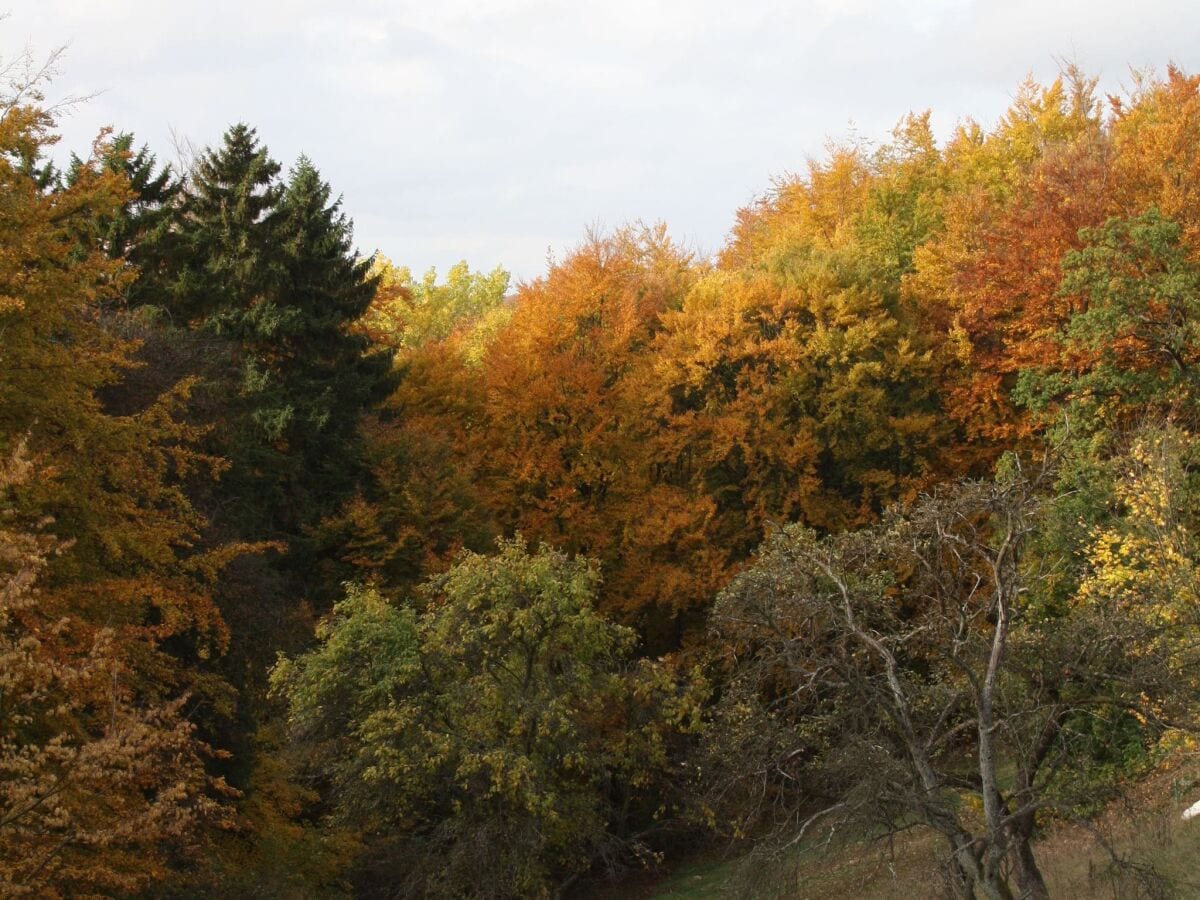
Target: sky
x=499, y=131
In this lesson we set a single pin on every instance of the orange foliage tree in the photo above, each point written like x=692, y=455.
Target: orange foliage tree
x=1017, y=199
x=99, y=760
x=565, y=452
x=100, y=791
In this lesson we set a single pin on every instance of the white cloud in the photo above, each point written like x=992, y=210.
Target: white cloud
x=492, y=129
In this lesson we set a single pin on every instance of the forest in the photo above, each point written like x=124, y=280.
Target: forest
x=322, y=578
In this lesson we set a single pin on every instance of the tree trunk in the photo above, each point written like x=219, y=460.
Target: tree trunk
x=960, y=877
x=1030, y=883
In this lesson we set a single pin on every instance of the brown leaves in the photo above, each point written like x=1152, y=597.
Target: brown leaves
x=98, y=787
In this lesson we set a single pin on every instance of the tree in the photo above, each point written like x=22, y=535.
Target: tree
x=1156, y=151
x=116, y=490
x=408, y=314
x=141, y=232
x=566, y=452
x=270, y=270
x=896, y=672
x=1133, y=347
x=228, y=242
x=422, y=503
x=317, y=375
x=1017, y=197
x=107, y=663
x=497, y=740
x=101, y=791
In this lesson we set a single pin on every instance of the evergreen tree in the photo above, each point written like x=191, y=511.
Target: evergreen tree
x=268, y=273
x=225, y=285
x=229, y=259
x=323, y=375
x=142, y=229
x=269, y=269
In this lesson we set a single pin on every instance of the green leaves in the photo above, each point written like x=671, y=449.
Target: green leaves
x=506, y=707
x=1132, y=346
x=1142, y=315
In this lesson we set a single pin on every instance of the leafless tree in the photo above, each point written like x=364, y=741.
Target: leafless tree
x=927, y=671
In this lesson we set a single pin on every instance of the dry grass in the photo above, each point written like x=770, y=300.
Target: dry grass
x=1139, y=848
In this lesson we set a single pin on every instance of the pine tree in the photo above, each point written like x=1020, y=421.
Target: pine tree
x=325, y=375
x=228, y=252
x=142, y=230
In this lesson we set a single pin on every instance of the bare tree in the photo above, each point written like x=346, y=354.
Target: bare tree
x=928, y=671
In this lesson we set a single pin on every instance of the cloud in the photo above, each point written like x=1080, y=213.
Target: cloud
x=491, y=129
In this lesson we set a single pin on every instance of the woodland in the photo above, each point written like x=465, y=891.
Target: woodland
x=319, y=578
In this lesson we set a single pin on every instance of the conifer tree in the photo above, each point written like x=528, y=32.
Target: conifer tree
x=142, y=229
x=229, y=261
x=323, y=374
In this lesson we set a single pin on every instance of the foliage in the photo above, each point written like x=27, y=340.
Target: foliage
x=496, y=738
x=101, y=792
x=199, y=364
x=1134, y=344
x=408, y=314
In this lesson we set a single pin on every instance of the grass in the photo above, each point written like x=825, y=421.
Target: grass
x=1156, y=855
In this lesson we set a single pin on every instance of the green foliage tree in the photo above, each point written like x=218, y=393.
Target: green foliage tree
x=496, y=739
x=1133, y=347
x=269, y=268
x=228, y=262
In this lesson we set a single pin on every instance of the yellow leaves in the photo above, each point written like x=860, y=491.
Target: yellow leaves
x=1144, y=560
x=469, y=308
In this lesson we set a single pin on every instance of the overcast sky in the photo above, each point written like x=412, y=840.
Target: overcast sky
x=496, y=130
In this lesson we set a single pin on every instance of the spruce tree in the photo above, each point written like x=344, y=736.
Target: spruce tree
x=269, y=272
x=229, y=262
x=141, y=230
x=227, y=275
x=326, y=375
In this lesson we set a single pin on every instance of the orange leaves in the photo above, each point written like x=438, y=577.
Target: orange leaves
x=859, y=337
x=566, y=443
x=99, y=786
x=1156, y=140
x=102, y=775
x=1020, y=196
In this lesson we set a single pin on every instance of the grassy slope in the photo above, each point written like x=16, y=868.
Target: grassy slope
x=1144, y=830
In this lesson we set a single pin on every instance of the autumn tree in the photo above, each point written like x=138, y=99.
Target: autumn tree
x=1016, y=198
x=116, y=488
x=796, y=382
x=101, y=791
x=568, y=455
x=422, y=503
x=407, y=313
x=1156, y=151
x=110, y=659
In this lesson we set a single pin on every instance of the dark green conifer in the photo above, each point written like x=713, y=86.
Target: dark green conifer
x=142, y=231
x=327, y=374
x=229, y=260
